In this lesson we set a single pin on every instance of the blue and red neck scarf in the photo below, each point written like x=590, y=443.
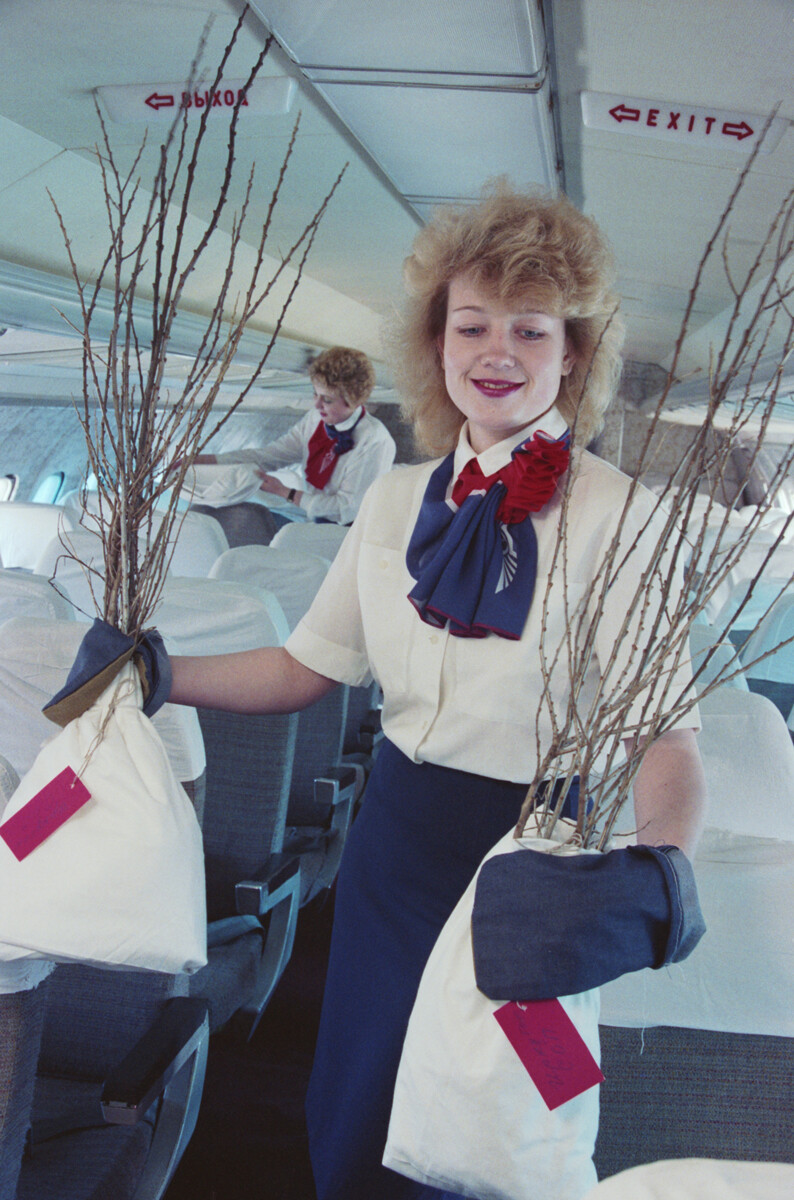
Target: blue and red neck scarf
x=474, y=557
x=326, y=445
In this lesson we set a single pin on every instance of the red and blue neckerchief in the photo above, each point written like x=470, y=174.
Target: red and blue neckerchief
x=326, y=445
x=474, y=558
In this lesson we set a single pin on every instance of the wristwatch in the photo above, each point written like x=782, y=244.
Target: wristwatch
x=291, y=495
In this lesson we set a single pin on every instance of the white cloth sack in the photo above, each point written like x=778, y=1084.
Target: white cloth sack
x=121, y=882
x=466, y=1116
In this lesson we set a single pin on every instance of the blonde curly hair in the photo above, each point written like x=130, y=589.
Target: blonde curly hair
x=516, y=246
x=347, y=371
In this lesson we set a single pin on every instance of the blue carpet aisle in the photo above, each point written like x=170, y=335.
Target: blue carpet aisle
x=250, y=1140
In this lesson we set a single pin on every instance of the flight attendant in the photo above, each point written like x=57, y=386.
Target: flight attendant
x=341, y=448
x=509, y=334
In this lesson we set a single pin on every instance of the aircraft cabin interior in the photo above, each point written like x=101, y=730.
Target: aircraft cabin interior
x=670, y=124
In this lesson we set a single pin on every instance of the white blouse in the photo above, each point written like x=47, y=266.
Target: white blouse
x=473, y=703
x=340, y=499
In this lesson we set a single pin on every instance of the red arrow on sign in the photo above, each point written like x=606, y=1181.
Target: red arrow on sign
x=156, y=101
x=738, y=131
x=621, y=113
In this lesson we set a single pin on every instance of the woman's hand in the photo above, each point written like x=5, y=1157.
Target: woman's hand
x=275, y=487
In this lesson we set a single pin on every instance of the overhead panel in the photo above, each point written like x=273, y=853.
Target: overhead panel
x=439, y=108
x=410, y=35
x=446, y=143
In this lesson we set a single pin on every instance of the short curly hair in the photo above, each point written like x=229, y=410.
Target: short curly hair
x=348, y=371
x=517, y=246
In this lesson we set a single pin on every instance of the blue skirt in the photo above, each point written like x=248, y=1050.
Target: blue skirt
x=420, y=836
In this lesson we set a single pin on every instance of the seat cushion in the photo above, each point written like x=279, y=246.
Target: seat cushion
x=99, y=1163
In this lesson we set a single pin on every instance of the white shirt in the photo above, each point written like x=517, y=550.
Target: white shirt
x=471, y=703
x=340, y=499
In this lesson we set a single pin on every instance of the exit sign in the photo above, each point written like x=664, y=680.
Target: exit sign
x=128, y=103
x=670, y=121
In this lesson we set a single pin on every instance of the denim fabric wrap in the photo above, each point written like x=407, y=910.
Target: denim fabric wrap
x=104, y=645
x=151, y=656
x=546, y=925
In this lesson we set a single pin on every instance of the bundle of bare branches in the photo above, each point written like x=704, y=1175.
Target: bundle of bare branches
x=686, y=530
x=135, y=431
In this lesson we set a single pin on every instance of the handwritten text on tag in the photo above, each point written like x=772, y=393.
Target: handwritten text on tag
x=551, y=1048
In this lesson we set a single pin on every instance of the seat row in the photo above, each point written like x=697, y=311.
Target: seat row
x=275, y=799
x=698, y=1057
x=31, y=533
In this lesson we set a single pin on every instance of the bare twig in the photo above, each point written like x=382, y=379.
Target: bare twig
x=668, y=557
x=133, y=433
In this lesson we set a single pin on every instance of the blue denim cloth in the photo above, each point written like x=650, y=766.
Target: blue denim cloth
x=545, y=925
x=102, y=645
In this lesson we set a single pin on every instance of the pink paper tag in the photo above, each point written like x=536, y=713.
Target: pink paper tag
x=44, y=813
x=551, y=1048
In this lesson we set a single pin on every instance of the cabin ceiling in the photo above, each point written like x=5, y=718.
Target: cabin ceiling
x=425, y=102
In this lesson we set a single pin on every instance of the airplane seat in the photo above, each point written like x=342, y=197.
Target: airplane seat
x=212, y=617
x=293, y=576
x=252, y=885
x=62, y=1034
x=742, y=610
x=21, y=1025
x=243, y=524
x=197, y=541
x=363, y=731
x=22, y=992
x=311, y=538
x=760, y=554
x=748, y=759
x=25, y=530
x=9, y=485
x=773, y=676
x=74, y=563
x=118, y=1086
x=25, y=594
x=362, y=726
x=714, y=658
x=696, y=1178
x=9, y=781
x=195, y=615
x=323, y=793
x=698, y=1056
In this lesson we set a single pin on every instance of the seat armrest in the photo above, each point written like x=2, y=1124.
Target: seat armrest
x=278, y=879
x=335, y=787
x=371, y=731
x=137, y=1081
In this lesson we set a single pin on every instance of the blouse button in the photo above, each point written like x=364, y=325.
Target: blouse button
x=384, y=564
x=433, y=638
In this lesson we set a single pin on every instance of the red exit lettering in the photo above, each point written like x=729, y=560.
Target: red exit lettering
x=624, y=112
x=224, y=99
